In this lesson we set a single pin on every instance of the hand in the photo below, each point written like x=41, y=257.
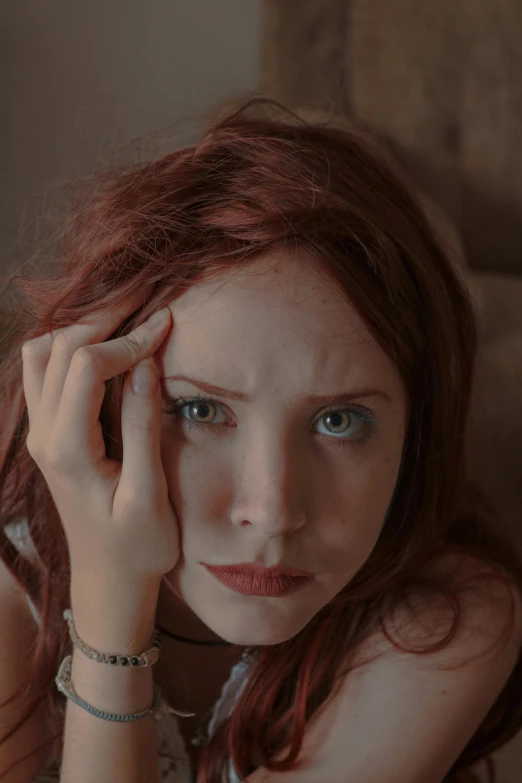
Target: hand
x=117, y=517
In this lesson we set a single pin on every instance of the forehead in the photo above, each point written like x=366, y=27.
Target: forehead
x=274, y=322
x=273, y=293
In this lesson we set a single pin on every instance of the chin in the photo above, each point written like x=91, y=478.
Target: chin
x=256, y=633
x=256, y=638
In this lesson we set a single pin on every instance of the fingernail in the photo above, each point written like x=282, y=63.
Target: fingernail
x=144, y=378
x=159, y=318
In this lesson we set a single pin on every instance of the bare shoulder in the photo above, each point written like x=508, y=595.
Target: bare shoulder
x=19, y=631
x=487, y=610
x=488, y=600
x=442, y=696
x=420, y=710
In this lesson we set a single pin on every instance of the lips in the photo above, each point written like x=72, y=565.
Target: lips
x=252, y=582
x=260, y=571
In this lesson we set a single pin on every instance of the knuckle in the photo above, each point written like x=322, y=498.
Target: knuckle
x=133, y=345
x=62, y=342
x=137, y=503
x=30, y=347
x=54, y=454
x=32, y=444
x=85, y=359
x=135, y=500
x=139, y=424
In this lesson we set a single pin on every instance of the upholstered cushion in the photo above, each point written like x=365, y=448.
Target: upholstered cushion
x=441, y=80
x=495, y=428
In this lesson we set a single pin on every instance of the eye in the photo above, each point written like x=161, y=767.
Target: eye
x=205, y=403
x=352, y=424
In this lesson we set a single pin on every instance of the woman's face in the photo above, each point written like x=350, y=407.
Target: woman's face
x=278, y=478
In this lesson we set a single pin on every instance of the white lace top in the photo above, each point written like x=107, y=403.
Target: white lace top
x=173, y=760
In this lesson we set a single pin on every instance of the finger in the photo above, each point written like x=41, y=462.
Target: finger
x=36, y=352
x=35, y=356
x=93, y=329
x=77, y=418
x=141, y=434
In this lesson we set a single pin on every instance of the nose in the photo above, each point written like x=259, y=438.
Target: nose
x=270, y=493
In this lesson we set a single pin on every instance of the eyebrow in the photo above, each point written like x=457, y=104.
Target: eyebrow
x=319, y=399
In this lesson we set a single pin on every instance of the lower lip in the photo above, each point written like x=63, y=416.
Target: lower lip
x=252, y=584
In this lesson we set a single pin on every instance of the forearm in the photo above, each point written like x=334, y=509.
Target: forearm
x=98, y=749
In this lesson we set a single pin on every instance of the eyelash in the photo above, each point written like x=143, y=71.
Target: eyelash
x=368, y=417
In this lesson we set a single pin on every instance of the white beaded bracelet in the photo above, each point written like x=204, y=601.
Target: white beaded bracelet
x=147, y=658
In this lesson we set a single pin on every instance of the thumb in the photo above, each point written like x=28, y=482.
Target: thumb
x=142, y=468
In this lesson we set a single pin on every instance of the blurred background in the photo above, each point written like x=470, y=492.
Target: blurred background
x=82, y=83
x=86, y=84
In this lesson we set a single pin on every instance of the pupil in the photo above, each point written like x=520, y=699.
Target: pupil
x=198, y=407
x=335, y=417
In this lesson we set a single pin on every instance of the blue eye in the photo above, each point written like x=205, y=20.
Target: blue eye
x=358, y=414
x=364, y=418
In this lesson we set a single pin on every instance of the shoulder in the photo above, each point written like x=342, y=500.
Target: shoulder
x=488, y=601
x=474, y=622
x=419, y=710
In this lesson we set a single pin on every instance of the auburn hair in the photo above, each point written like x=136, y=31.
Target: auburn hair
x=262, y=178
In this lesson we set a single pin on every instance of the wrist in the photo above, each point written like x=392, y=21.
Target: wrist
x=112, y=689
x=112, y=617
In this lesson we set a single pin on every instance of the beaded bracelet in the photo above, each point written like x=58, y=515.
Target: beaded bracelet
x=147, y=658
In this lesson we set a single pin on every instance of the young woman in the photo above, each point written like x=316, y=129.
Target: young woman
x=300, y=404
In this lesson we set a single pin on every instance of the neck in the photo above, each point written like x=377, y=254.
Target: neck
x=185, y=640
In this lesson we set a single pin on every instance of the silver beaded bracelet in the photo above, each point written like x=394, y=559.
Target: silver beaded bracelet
x=147, y=658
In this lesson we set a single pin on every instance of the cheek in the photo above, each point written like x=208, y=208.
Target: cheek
x=347, y=542
x=353, y=519
x=195, y=487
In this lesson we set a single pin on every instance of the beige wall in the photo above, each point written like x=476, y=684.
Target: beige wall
x=79, y=80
